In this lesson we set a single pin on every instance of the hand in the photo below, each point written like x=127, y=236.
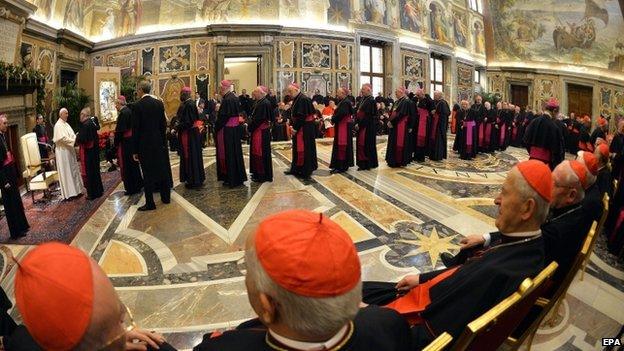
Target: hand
x=7, y=185
x=471, y=241
x=135, y=157
x=138, y=339
x=409, y=130
x=408, y=282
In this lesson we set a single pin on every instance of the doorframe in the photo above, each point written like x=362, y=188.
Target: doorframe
x=527, y=83
x=263, y=52
x=564, y=98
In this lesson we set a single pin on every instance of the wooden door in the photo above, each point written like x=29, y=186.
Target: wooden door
x=580, y=99
x=520, y=95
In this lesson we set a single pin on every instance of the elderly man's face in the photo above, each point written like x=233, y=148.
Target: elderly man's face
x=562, y=195
x=464, y=105
x=340, y=93
x=63, y=115
x=399, y=93
x=479, y=99
x=4, y=124
x=508, y=202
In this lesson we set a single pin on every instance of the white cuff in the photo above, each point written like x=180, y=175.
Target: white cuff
x=487, y=237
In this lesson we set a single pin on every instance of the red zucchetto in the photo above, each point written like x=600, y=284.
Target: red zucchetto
x=54, y=294
x=307, y=254
x=538, y=176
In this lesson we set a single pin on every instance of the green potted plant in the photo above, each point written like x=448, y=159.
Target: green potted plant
x=73, y=99
x=129, y=85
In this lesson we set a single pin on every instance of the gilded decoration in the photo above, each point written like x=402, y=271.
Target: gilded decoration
x=316, y=55
x=27, y=55
x=126, y=61
x=147, y=61
x=45, y=64
x=202, y=55
x=174, y=58
x=170, y=93
x=344, y=56
x=286, y=58
x=97, y=60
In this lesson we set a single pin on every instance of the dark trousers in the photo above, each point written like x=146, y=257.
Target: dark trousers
x=165, y=193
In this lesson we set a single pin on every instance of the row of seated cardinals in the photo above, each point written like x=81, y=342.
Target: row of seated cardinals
x=303, y=279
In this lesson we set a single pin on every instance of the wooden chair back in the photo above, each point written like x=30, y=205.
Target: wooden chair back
x=440, y=343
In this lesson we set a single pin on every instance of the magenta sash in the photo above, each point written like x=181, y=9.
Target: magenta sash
x=503, y=134
x=220, y=144
x=360, y=114
x=343, y=137
x=469, y=125
x=433, y=134
x=488, y=134
x=361, y=143
x=127, y=133
x=514, y=132
x=481, y=133
x=9, y=159
x=300, y=145
x=184, y=140
x=120, y=159
x=421, y=134
x=400, y=139
x=43, y=139
x=539, y=153
x=233, y=122
x=256, y=147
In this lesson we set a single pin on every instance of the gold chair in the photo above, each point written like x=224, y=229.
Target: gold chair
x=493, y=328
x=37, y=178
x=551, y=301
x=440, y=343
x=597, y=231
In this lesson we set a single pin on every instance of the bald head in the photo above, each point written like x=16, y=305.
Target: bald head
x=437, y=95
x=63, y=114
x=366, y=90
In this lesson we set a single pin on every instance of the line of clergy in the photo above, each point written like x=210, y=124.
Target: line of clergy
x=307, y=297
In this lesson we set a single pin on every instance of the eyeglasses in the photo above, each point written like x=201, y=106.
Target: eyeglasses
x=128, y=326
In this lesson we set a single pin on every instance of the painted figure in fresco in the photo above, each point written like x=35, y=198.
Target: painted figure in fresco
x=108, y=24
x=376, y=10
x=459, y=29
x=438, y=23
x=216, y=10
x=413, y=11
x=130, y=16
x=44, y=7
x=578, y=35
x=479, y=39
x=74, y=14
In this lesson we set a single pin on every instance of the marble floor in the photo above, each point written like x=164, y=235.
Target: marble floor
x=180, y=268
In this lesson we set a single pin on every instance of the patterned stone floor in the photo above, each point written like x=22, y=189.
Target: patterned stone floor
x=180, y=270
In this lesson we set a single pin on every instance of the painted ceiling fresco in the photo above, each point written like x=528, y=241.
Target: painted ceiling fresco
x=579, y=32
x=449, y=22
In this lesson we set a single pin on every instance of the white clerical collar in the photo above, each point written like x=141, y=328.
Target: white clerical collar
x=311, y=346
x=524, y=234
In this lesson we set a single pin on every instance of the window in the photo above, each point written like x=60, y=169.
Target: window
x=371, y=67
x=475, y=5
x=436, y=66
x=477, y=77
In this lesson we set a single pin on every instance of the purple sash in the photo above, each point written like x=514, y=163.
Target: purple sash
x=421, y=134
x=539, y=153
x=469, y=125
x=256, y=147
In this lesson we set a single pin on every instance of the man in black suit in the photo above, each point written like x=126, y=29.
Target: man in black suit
x=149, y=126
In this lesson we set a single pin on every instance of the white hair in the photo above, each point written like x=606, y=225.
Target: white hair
x=314, y=317
x=527, y=192
x=63, y=109
x=569, y=178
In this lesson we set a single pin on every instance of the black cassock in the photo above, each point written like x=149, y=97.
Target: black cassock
x=504, y=121
x=149, y=138
x=467, y=134
x=597, y=133
x=88, y=141
x=342, y=150
x=260, y=160
x=129, y=168
x=42, y=138
x=230, y=162
x=461, y=294
x=399, y=148
x=191, y=159
x=573, y=137
x=366, y=119
x=458, y=122
x=422, y=127
x=373, y=328
x=516, y=134
x=544, y=141
x=489, y=128
x=304, y=160
x=437, y=130
x=13, y=207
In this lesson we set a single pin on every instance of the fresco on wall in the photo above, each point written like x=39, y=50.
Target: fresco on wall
x=460, y=30
x=74, y=15
x=439, y=23
x=413, y=13
x=374, y=11
x=586, y=32
x=478, y=38
x=231, y=10
x=27, y=55
x=339, y=12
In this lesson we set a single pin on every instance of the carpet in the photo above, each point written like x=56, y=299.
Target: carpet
x=57, y=220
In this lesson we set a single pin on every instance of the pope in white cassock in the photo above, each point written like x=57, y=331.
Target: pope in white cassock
x=66, y=163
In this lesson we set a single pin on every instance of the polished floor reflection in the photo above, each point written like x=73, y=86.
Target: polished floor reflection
x=180, y=268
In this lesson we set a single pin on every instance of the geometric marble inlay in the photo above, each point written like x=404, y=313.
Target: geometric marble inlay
x=120, y=259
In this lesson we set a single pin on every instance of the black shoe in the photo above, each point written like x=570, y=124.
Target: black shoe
x=333, y=171
x=448, y=259
x=288, y=173
x=19, y=235
x=147, y=208
x=167, y=201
